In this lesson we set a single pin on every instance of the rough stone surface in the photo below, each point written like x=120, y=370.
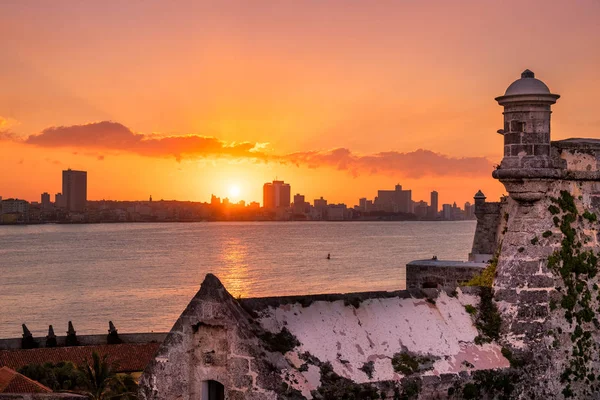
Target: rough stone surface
x=439, y=273
x=233, y=342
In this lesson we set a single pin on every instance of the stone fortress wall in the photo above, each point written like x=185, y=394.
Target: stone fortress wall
x=534, y=335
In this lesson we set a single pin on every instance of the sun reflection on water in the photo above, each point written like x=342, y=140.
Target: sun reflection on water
x=234, y=267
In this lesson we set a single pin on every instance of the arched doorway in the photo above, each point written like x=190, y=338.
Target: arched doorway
x=213, y=390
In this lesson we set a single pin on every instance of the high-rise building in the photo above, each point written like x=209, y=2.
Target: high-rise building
x=447, y=213
x=59, y=200
x=396, y=200
x=276, y=195
x=300, y=204
x=320, y=203
x=46, y=201
x=74, y=185
x=421, y=209
x=434, y=207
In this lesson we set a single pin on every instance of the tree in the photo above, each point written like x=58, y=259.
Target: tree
x=100, y=382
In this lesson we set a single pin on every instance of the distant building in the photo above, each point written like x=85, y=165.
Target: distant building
x=320, y=202
x=74, y=185
x=434, y=207
x=337, y=212
x=421, y=209
x=59, y=201
x=396, y=200
x=9, y=206
x=447, y=212
x=469, y=211
x=300, y=204
x=276, y=195
x=46, y=204
x=14, y=211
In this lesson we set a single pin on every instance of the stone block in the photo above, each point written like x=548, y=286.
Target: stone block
x=533, y=296
x=239, y=365
x=241, y=381
x=508, y=295
x=528, y=267
x=541, y=150
x=532, y=312
x=528, y=328
x=541, y=281
x=517, y=149
x=512, y=138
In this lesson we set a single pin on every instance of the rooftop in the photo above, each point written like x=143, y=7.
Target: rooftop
x=13, y=382
x=528, y=84
x=127, y=357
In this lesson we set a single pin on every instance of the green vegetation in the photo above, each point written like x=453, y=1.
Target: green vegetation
x=95, y=379
x=514, y=361
x=486, y=277
x=281, y=342
x=334, y=386
x=590, y=216
x=470, y=309
x=535, y=240
x=409, y=364
x=554, y=210
x=488, y=319
x=547, y=234
x=61, y=376
x=576, y=267
x=487, y=384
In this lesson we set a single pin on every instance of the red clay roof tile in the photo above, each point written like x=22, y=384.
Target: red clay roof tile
x=126, y=357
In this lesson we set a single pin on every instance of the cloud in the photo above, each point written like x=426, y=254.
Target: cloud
x=110, y=136
x=114, y=136
x=415, y=164
x=7, y=122
x=6, y=135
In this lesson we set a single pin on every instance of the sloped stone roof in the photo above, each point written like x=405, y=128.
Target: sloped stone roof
x=257, y=346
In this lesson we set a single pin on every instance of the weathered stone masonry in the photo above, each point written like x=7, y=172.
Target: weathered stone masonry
x=536, y=338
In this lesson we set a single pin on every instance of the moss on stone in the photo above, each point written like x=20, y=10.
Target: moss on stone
x=590, y=216
x=488, y=321
x=409, y=364
x=470, y=309
x=334, y=386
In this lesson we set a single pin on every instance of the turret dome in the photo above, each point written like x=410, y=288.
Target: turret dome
x=528, y=84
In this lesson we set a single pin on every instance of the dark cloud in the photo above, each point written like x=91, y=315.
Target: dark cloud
x=415, y=164
x=111, y=136
x=7, y=135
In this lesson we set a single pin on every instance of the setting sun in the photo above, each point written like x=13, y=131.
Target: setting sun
x=234, y=191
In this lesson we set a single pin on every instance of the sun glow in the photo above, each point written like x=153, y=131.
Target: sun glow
x=234, y=191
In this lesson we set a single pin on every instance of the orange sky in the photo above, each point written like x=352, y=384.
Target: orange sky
x=255, y=90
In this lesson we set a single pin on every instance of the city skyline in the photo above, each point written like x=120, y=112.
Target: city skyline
x=181, y=111
x=275, y=194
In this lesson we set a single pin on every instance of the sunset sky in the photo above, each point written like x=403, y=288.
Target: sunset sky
x=179, y=100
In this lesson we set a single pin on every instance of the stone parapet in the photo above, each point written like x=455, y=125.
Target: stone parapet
x=440, y=273
x=88, y=340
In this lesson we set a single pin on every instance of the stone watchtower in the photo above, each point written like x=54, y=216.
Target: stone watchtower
x=547, y=280
x=526, y=130
x=527, y=151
